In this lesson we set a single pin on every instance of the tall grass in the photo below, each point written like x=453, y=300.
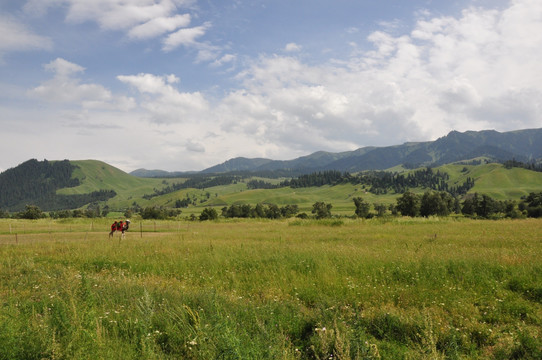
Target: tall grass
x=355, y=289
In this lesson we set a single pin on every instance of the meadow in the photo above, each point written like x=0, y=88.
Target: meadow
x=396, y=288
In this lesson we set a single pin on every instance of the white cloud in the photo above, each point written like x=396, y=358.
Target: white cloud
x=109, y=14
x=159, y=26
x=66, y=88
x=184, y=37
x=447, y=73
x=226, y=59
x=164, y=103
x=140, y=19
x=478, y=71
x=16, y=36
x=292, y=47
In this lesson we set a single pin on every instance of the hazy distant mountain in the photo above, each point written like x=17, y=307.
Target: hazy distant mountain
x=522, y=145
x=238, y=164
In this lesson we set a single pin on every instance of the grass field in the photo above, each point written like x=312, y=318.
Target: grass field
x=395, y=288
x=491, y=179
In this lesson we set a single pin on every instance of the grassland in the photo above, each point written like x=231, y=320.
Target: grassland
x=491, y=179
x=348, y=289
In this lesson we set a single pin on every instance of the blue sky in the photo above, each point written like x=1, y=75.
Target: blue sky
x=187, y=84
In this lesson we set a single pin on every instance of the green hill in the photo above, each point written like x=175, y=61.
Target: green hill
x=90, y=179
x=96, y=175
x=501, y=183
x=492, y=179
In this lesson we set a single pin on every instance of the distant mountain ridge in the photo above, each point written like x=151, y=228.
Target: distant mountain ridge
x=521, y=145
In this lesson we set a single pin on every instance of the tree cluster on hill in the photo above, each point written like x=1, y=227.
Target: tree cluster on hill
x=35, y=181
x=260, y=184
x=331, y=177
x=61, y=202
x=381, y=182
x=518, y=164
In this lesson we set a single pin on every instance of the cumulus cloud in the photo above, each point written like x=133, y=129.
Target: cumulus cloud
x=140, y=19
x=16, y=36
x=164, y=102
x=184, y=37
x=66, y=87
x=464, y=73
x=477, y=71
x=109, y=14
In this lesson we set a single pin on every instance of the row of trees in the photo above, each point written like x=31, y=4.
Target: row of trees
x=377, y=182
x=269, y=211
x=431, y=203
x=529, y=166
x=484, y=206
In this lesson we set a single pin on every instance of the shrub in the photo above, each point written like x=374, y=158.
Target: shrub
x=208, y=214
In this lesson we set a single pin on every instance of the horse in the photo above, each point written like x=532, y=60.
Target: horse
x=119, y=226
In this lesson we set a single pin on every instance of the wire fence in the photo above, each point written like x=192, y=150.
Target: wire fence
x=20, y=227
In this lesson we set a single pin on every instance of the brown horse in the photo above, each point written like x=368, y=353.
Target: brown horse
x=119, y=226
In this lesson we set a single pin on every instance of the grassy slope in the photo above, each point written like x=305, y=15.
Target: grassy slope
x=491, y=179
x=502, y=183
x=97, y=175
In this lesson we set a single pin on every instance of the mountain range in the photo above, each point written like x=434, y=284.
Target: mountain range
x=521, y=145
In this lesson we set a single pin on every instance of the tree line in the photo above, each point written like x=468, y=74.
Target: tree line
x=376, y=182
x=430, y=203
x=518, y=164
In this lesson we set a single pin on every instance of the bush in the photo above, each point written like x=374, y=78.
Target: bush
x=158, y=213
x=208, y=214
x=321, y=210
x=32, y=212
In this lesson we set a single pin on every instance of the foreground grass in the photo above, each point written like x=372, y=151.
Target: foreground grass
x=397, y=289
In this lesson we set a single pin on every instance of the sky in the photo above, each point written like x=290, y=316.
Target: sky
x=182, y=85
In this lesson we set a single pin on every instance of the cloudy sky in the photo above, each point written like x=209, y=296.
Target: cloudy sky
x=187, y=84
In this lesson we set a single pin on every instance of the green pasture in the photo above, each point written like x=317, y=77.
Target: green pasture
x=397, y=288
x=491, y=179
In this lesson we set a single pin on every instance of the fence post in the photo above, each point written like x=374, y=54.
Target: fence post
x=141, y=229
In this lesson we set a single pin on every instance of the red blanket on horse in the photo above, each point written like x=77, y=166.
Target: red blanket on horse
x=119, y=226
